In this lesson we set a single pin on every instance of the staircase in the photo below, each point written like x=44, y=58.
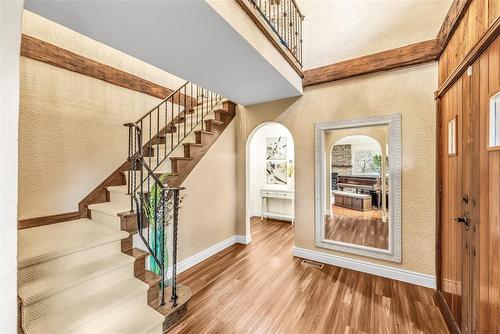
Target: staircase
x=85, y=275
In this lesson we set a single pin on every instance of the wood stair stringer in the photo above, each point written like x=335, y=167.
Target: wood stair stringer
x=194, y=152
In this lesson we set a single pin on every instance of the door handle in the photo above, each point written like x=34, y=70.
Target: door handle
x=464, y=220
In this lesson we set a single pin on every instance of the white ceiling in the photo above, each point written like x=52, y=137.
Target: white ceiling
x=186, y=38
x=191, y=40
x=336, y=30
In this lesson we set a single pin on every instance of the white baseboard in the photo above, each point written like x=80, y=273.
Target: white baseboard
x=255, y=214
x=277, y=216
x=205, y=254
x=375, y=269
x=243, y=239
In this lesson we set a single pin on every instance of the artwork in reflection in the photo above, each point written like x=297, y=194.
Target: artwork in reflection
x=275, y=148
x=357, y=186
x=277, y=172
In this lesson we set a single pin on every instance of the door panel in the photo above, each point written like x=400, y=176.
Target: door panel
x=451, y=234
x=469, y=268
x=488, y=303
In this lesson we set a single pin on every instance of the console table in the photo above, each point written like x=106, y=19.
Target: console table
x=278, y=194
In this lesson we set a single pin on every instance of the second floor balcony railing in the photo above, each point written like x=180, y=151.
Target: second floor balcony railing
x=285, y=18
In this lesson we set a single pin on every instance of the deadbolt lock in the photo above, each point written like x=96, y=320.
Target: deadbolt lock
x=464, y=220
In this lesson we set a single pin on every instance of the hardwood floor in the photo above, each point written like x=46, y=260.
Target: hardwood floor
x=262, y=288
x=370, y=214
x=357, y=227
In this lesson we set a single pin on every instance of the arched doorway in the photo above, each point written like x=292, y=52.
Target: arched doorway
x=270, y=176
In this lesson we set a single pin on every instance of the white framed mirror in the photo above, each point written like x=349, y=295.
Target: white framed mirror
x=358, y=186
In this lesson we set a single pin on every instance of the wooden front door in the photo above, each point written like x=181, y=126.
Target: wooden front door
x=454, y=234
x=469, y=207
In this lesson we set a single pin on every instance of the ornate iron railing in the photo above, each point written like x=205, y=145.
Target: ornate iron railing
x=152, y=139
x=165, y=126
x=285, y=18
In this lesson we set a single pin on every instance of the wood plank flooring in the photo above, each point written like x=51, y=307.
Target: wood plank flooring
x=357, y=227
x=262, y=288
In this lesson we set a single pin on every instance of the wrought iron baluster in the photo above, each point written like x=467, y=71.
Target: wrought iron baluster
x=144, y=183
x=185, y=111
x=191, y=105
x=173, y=125
x=175, y=220
x=157, y=136
x=162, y=238
x=177, y=120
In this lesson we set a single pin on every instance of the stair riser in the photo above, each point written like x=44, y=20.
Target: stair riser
x=105, y=219
x=118, y=312
x=120, y=198
x=139, y=267
x=63, y=263
x=213, y=127
x=179, y=166
x=220, y=116
x=165, y=166
x=162, y=148
x=230, y=107
x=126, y=244
x=59, y=301
x=203, y=138
x=129, y=224
x=191, y=126
x=191, y=150
x=95, y=323
x=153, y=293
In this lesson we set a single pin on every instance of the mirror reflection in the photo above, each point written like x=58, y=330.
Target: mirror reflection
x=357, y=186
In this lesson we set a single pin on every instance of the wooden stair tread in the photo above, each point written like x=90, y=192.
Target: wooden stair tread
x=150, y=278
x=214, y=121
x=173, y=314
x=159, y=172
x=127, y=214
x=137, y=253
x=193, y=144
x=184, y=293
x=181, y=158
x=203, y=131
x=223, y=111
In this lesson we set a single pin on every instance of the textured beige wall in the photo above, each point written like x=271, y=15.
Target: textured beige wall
x=208, y=212
x=71, y=136
x=407, y=91
x=344, y=29
x=51, y=32
x=71, y=133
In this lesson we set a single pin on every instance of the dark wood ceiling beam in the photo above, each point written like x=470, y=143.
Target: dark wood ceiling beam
x=452, y=20
x=412, y=54
x=51, y=54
